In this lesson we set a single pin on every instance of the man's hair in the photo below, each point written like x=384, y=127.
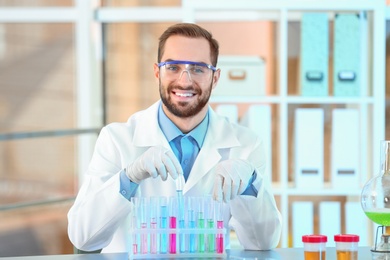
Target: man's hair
x=189, y=30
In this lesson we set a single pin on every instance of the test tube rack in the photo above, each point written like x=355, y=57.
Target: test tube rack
x=167, y=232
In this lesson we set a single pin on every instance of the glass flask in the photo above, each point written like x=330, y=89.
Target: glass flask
x=375, y=201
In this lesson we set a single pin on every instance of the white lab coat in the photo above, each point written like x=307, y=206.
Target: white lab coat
x=100, y=215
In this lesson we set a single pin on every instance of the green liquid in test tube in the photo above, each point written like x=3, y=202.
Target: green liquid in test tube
x=201, y=225
x=210, y=224
x=211, y=237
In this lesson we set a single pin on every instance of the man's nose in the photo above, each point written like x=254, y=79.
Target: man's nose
x=188, y=76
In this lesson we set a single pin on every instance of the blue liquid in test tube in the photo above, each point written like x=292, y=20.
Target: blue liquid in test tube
x=181, y=213
x=163, y=225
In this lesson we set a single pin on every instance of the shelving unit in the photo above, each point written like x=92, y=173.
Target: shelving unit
x=370, y=104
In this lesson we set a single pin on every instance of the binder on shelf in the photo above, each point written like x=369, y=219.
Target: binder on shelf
x=241, y=76
x=330, y=216
x=228, y=111
x=302, y=221
x=314, y=54
x=258, y=118
x=346, y=76
x=345, y=148
x=309, y=147
x=356, y=222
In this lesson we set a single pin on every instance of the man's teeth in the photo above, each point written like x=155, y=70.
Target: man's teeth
x=184, y=94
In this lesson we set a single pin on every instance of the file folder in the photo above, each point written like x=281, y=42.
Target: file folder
x=314, y=54
x=309, y=147
x=345, y=148
x=346, y=67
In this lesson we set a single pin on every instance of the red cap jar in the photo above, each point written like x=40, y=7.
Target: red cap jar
x=314, y=246
x=346, y=246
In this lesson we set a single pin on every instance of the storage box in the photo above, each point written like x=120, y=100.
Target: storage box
x=241, y=76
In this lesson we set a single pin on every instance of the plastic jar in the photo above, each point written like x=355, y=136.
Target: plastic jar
x=346, y=246
x=314, y=247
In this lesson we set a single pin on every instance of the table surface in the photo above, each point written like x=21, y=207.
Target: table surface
x=275, y=254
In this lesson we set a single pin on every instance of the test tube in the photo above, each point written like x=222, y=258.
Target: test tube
x=163, y=225
x=181, y=221
x=143, y=214
x=201, y=225
x=191, y=215
x=134, y=224
x=154, y=206
x=218, y=209
x=210, y=224
x=173, y=203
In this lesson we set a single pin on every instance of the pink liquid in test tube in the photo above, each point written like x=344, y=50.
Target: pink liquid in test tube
x=172, y=236
x=153, y=216
x=144, y=240
x=153, y=238
x=219, y=238
x=219, y=217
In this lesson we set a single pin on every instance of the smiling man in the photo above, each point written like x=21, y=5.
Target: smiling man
x=178, y=136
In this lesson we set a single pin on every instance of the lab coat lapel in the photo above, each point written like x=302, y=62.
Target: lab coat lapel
x=217, y=144
x=147, y=132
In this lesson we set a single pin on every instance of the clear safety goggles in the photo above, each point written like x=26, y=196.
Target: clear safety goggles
x=196, y=71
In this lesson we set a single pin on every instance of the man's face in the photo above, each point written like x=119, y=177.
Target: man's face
x=182, y=94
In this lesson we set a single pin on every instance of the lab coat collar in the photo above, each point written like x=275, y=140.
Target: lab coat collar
x=147, y=132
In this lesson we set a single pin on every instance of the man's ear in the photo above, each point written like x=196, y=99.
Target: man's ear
x=156, y=71
x=216, y=76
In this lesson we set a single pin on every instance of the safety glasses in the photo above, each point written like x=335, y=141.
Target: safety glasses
x=196, y=71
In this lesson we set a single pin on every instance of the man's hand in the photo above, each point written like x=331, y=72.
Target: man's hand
x=155, y=161
x=231, y=179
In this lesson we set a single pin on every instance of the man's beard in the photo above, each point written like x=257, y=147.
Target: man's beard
x=185, y=109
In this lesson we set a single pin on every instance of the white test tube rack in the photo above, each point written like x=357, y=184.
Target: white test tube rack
x=174, y=240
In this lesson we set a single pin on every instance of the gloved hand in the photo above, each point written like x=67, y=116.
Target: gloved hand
x=155, y=161
x=231, y=178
